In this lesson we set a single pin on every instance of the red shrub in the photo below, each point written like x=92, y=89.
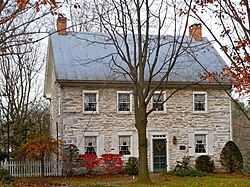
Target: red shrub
x=112, y=162
x=90, y=161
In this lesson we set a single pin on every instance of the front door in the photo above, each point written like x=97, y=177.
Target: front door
x=159, y=154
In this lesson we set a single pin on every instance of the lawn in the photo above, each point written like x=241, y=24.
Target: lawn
x=221, y=180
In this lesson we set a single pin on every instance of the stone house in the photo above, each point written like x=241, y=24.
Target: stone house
x=91, y=108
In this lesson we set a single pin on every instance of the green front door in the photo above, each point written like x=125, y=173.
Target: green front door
x=159, y=154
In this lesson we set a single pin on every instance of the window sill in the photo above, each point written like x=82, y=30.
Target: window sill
x=200, y=112
x=90, y=112
x=159, y=112
x=199, y=154
x=124, y=112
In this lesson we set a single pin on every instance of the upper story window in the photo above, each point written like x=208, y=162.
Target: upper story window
x=158, y=101
x=200, y=101
x=124, y=101
x=125, y=145
x=90, y=99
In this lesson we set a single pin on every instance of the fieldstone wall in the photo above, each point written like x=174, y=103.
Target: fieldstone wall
x=178, y=120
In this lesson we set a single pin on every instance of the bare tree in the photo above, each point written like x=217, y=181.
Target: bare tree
x=138, y=29
x=18, y=74
x=83, y=17
x=19, y=18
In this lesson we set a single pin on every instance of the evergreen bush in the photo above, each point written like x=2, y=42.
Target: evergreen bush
x=5, y=176
x=204, y=163
x=131, y=167
x=3, y=155
x=182, y=172
x=231, y=157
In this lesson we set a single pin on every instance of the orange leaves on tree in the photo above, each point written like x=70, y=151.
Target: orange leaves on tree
x=23, y=3
x=37, y=7
x=212, y=76
x=224, y=48
x=243, y=2
x=39, y=147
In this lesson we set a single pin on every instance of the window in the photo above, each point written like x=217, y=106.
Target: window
x=90, y=101
x=124, y=101
x=158, y=99
x=90, y=145
x=200, y=102
x=124, y=145
x=200, y=143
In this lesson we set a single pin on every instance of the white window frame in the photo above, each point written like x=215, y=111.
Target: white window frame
x=133, y=143
x=206, y=144
x=209, y=143
x=130, y=97
x=201, y=93
x=100, y=142
x=97, y=101
x=129, y=146
x=86, y=147
x=164, y=105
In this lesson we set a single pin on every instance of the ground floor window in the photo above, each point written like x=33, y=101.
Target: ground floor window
x=200, y=143
x=90, y=145
x=124, y=145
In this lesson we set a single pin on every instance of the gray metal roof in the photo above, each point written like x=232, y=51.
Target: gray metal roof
x=91, y=56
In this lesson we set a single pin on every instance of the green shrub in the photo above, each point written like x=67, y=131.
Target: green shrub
x=131, y=167
x=5, y=176
x=3, y=155
x=188, y=172
x=204, y=163
x=231, y=157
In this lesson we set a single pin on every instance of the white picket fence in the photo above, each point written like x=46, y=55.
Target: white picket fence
x=32, y=168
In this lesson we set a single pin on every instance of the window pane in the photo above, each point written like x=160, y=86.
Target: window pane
x=123, y=102
x=157, y=102
x=90, y=102
x=200, y=143
x=124, y=145
x=90, y=145
x=199, y=102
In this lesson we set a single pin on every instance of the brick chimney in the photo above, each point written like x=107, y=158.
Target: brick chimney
x=61, y=25
x=195, y=31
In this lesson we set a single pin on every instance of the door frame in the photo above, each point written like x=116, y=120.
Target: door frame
x=162, y=135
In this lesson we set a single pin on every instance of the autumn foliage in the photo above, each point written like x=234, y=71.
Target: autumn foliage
x=232, y=19
x=40, y=147
x=110, y=163
x=90, y=161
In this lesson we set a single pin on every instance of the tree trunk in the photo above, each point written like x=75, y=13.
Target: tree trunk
x=143, y=176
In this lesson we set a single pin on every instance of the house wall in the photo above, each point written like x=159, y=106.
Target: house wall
x=179, y=120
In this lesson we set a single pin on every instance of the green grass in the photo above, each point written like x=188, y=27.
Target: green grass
x=211, y=180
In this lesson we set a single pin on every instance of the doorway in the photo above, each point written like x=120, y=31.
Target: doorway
x=159, y=154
